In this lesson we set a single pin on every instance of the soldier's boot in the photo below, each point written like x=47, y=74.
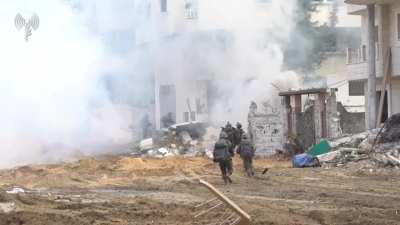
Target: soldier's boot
x=229, y=179
x=225, y=178
x=248, y=172
x=230, y=168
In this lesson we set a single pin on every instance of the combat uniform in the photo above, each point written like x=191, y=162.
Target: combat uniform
x=222, y=155
x=247, y=152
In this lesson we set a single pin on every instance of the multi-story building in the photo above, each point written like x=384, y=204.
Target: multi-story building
x=179, y=36
x=378, y=57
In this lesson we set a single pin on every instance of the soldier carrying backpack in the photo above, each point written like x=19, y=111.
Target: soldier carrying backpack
x=247, y=152
x=222, y=155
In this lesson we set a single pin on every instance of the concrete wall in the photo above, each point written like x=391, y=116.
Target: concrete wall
x=187, y=95
x=191, y=91
x=342, y=95
x=386, y=21
x=305, y=127
x=394, y=10
x=351, y=123
x=395, y=96
x=266, y=131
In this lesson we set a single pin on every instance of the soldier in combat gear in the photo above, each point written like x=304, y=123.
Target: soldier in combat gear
x=238, y=134
x=247, y=152
x=222, y=155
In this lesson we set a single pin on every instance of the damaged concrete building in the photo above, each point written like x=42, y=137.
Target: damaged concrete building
x=179, y=36
x=314, y=114
x=373, y=69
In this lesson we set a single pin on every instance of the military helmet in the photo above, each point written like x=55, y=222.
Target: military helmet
x=238, y=125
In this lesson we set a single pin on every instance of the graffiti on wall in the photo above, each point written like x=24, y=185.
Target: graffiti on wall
x=266, y=131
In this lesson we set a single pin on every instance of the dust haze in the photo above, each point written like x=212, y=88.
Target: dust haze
x=78, y=86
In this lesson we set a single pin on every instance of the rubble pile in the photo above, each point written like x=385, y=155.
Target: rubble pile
x=376, y=148
x=186, y=139
x=391, y=132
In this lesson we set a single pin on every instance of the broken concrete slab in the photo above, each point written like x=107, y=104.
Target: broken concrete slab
x=195, y=129
x=339, y=142
x=146, y=144
x=348, y=141
x=185, y=137
x=328, y=156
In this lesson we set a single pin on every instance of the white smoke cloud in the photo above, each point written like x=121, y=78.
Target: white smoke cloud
x=53, y=100
x=55, y=92
x=238, y=44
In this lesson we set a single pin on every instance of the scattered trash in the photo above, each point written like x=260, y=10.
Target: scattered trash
x=320, y=148
x=305, y=160
x=163, y=151
x=15, y=190
x=185, y=139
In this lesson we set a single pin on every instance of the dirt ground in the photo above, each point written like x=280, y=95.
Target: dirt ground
x=124, y=190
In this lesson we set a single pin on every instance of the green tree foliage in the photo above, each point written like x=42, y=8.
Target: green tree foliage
x=308, y=42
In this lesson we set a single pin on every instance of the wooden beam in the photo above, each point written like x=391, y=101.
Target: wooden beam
x=386, y=77
x=303, y=92
x=245, y=218
x=297, y=103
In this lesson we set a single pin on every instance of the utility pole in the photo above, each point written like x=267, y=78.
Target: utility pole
x=371, y=86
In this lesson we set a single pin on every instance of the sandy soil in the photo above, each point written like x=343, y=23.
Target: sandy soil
x=124, y=190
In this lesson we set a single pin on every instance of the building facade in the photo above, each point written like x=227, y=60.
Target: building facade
x=370, y=66
x=180, y=36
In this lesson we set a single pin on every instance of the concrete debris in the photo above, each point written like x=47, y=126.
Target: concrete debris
x=348, y=141
x=163, y=151
x=342, y=156
x=328, y=156
x=391, y=130
x=194, y=129
x=360, y=150
x=186, y=139
x=146, y=144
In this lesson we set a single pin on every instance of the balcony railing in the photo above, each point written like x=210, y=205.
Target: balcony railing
x=359, y=55
x=357, y=66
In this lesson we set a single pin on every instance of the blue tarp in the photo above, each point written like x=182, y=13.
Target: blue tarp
x=303, y=160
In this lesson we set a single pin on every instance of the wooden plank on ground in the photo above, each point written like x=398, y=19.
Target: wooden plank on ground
x=245, y=218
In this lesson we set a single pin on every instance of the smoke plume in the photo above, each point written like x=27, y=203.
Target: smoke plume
x=79, y=84
x=56, y=89
x=236, y=44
